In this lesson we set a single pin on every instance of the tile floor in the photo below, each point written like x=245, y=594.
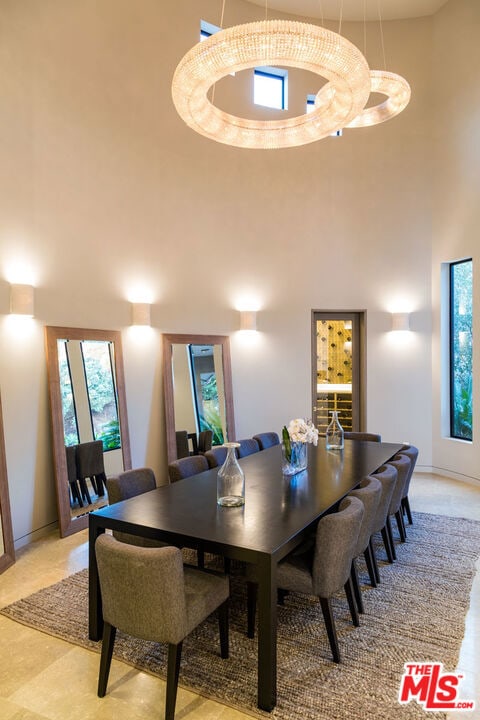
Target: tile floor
x=42, y=677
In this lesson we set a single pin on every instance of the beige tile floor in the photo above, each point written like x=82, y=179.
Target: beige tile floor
x=42, y=677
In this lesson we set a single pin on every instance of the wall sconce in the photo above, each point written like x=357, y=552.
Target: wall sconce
x=22, y=300
x=141, y=314
x=248, y=320
x=400, y=321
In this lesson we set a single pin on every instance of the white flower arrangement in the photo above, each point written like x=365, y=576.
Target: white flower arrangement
x=301, y=430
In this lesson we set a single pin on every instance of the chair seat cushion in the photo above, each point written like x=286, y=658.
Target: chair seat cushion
x=296, y=573
x=204, y=591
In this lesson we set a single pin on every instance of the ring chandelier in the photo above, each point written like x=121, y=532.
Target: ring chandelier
x=340, y=102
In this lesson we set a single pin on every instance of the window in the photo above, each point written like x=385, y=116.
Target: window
x=207, y=29
x=102, y=399
x=461, y=294
x=70, y=422
x=270, y=87
x=311, y=107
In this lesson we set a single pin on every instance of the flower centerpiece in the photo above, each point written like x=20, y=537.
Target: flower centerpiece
x=294, y=444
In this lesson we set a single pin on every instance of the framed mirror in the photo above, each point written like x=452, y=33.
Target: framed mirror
x=87, y=404
x=7, y=554
x=198, y=388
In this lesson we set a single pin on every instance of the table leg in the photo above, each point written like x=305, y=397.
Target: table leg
x=267, y=634
x=95, y=617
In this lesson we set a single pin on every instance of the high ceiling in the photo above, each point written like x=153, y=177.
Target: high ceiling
x=354, y=9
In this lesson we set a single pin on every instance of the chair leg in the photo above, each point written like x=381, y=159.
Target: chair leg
x=406, y=507
x=374, y=562
x=84, y=490
x=108, y=641
x=401, y=526
x=386, y=542
x=223, y=629
x=356, y=587
x=281, y=595
x=252, y=591
x=351, y=602
x=200, y=558
x=326, y=605
x=173, y=671
x=371, y=572
x=388, y=525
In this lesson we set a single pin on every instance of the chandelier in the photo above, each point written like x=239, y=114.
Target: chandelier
x=340, y=102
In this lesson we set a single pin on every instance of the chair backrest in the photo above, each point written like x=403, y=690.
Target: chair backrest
x=335, y=544
x=368, y=492
x=181, y=440
x=154, y=608
x=90, y=459
x=402, y=465
x=205, y=441
x=387, y=475
x=129, y=484
x=412, y=453
x=371, y=437
x=185, y=467
x=216, y=456
x=71, y=454
x=247, y=447
x=267, y=439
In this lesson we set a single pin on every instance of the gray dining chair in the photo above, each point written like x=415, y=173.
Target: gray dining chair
x=216, y=456
x=267, y=439
x=181, y=442
x=78, y=489
x=126, y=485
x=402, y=465
x=90, y=464
x=387, y=475
x=368, y=492
x=412, y=453
x=186, y=467
x=353, y=435
x=324, y=570
x=164, y=603
x=205, y=438
x=249, y=446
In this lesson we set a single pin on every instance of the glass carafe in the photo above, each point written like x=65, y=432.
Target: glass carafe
x=334, y=435
x=231, y=480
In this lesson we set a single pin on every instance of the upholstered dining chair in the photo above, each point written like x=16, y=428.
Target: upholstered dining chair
x=387, y=475
x=186, y=467
x=247, y=447
x=267, y=439
x=126, y=485
x=402, y=465
x=412, y=452
x=90, y=464
x=205, y=438
x=164, y=603
x=368, y=492
x=75, y=486
x=325, y=569
x=181, y=442
x=353, y=435
x=216, y=456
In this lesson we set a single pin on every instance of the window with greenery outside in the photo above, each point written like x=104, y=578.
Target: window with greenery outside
x=461, y=340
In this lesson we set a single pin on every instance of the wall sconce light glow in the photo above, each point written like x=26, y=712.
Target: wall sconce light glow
x=141, y=314
x=248, y=320
x=22, y=300
x=400, y=321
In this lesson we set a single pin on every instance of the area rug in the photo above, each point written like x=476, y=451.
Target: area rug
x=417, y=613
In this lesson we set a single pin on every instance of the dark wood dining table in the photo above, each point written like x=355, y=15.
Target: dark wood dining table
x=278, y=514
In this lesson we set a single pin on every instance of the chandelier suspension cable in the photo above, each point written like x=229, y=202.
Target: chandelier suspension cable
x=266, y=9
x=365, y=28
x=381, y=34
x=320, y=3
x=221, y=25
x=341, y=18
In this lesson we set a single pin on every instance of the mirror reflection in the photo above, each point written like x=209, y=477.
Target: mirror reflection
x=198, y=393
x=89, y=420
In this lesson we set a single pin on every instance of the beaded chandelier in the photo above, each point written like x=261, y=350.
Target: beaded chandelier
x=340, y=102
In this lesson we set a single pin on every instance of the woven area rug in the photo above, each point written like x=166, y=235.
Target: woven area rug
x=417, y=613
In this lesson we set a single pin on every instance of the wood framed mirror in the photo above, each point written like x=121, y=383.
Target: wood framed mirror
x=87, y=402
x=7, y=553
x=197, y=387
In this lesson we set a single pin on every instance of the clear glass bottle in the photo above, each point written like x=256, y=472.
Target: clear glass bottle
x=334, y=435
x=231, y=480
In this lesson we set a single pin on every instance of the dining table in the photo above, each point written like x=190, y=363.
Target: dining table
x=279, y=513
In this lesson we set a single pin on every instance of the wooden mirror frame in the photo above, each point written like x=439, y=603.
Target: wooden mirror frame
x=67, y=524
x=168, y=342
x=7, y=558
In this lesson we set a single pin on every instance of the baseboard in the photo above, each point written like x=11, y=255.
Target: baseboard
x=35, y=535
x=442, y=472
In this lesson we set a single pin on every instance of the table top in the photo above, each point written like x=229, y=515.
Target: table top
x=278, y=509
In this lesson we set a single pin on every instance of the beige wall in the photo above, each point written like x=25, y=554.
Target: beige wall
x=104, y=188
x=456, y=209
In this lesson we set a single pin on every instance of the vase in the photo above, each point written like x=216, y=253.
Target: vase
x=231, y=480
x=294, y=460
x=334, y=435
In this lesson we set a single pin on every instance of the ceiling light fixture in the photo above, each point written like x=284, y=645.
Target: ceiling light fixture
x=339, y=103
